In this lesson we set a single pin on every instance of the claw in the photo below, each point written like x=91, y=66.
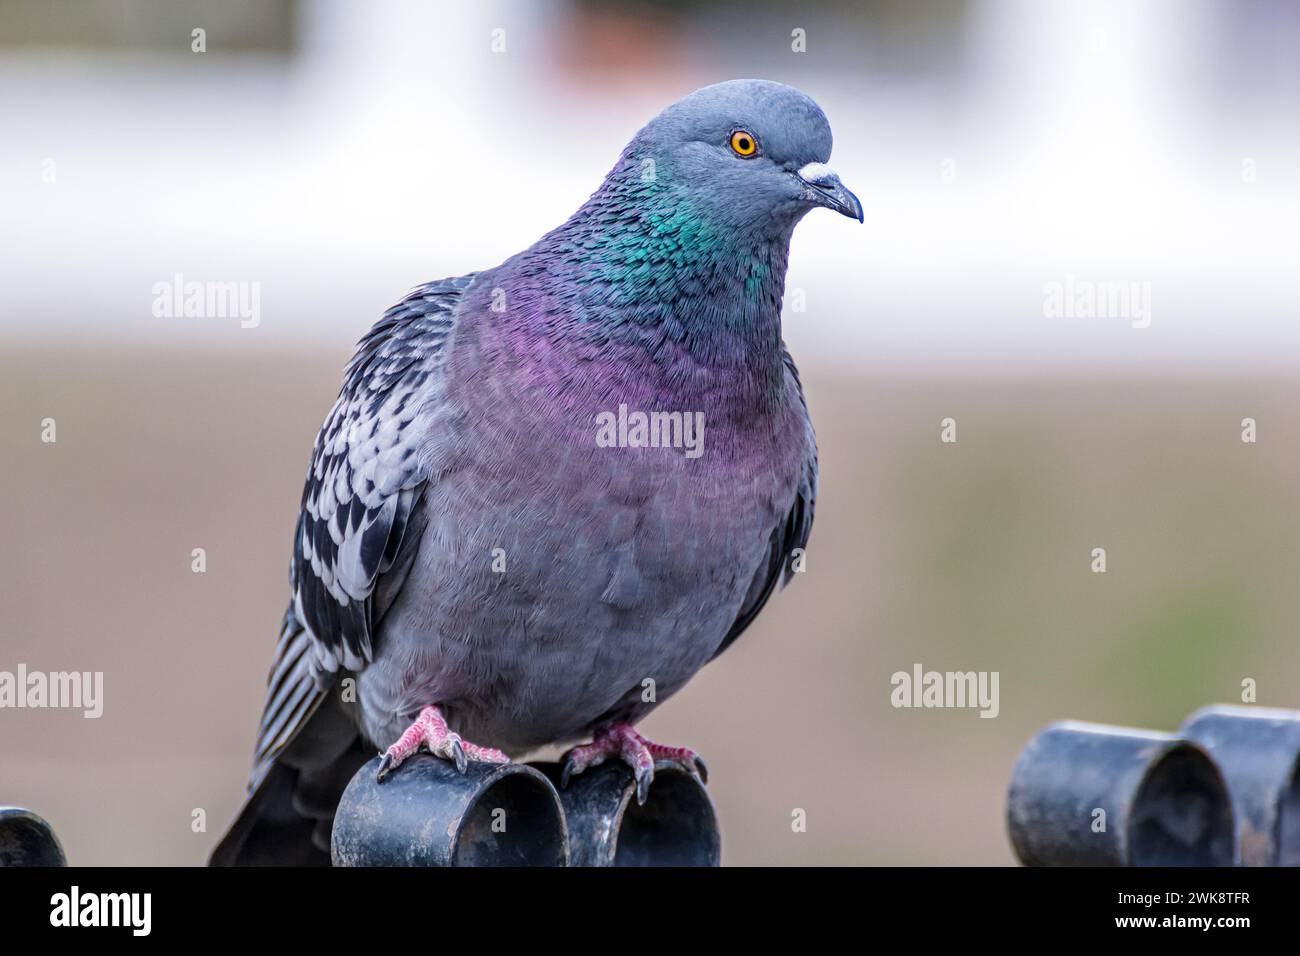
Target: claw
x=385, y=768
x=458, y=755
x=701, y=770
x=644, y=777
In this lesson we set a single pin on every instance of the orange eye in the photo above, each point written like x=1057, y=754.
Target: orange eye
x=743, y=143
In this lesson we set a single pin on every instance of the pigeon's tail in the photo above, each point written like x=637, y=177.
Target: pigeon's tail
x=307, y=751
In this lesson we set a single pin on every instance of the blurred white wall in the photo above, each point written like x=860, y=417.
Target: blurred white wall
x=1109, y=141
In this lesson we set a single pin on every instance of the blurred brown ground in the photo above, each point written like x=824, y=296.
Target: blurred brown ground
x=967, y=556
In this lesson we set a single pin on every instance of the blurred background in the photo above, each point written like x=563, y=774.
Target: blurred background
x=336, y=154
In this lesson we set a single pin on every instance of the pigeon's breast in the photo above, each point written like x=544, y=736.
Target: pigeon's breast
x=582, y=560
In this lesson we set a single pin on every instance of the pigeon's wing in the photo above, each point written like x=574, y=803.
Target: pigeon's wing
x=792, y=533
x=358, y=532
x=361, y=515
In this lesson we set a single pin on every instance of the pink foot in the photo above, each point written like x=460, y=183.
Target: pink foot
x=430, y=730
x=623, y=741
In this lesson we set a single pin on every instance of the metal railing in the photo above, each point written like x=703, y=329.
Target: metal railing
x=428, y=814
x=1224, y=790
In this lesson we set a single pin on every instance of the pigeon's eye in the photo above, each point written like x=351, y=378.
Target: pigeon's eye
x=743, y=143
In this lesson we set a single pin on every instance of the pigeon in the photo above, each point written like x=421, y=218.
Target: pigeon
x=550, y=492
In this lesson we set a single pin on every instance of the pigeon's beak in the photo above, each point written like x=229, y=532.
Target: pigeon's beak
x=825, y=189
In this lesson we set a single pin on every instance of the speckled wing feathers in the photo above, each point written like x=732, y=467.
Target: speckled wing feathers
x=361, y=504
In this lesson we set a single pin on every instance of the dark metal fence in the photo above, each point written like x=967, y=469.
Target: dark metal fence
x=428, y=814
x=1223, y=790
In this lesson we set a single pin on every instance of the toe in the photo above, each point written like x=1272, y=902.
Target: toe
x=484, y=754
x=575, y=762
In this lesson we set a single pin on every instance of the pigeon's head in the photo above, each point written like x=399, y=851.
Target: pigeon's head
x=750, y=153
